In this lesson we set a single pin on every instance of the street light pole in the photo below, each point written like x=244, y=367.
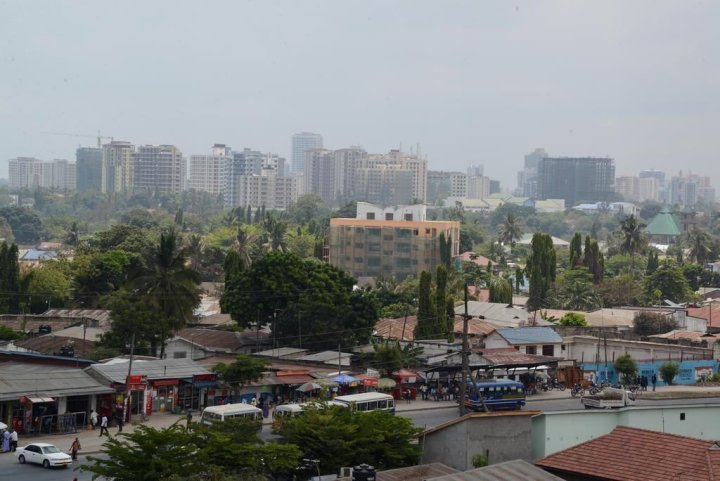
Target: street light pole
x=126, y=404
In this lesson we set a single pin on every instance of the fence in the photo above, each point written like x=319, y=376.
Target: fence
x=59, y=423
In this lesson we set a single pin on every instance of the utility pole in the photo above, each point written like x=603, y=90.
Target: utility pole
x=465, y=360
x=126, y=404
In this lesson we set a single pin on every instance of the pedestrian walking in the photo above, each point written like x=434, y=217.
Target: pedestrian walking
x=93, y=419
x=74, y=448
x=189, y=419
x=104, y=425
x=654, y=381
x=13, y=440
x=5, y=441
x=120, y=422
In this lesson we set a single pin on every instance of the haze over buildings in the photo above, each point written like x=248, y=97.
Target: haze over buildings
x=475, y=83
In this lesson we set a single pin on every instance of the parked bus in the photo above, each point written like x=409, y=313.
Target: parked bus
x=368, y=401
x=284, y=411
x=224, y=412
x=497, y=394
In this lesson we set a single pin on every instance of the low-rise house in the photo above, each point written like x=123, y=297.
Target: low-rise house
x=196, y=343
x=157, y=385
x=40, y=394
x=584, y=349
x=631, y=454
x=501, y=315
x=530, y=340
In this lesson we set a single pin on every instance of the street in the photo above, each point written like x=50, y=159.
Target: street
x=433, y=417
x=11, y=469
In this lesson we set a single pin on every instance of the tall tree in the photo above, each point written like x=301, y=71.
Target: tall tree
x=593, y=260
x=166, y=279
x=9, y=279
x=501, y=290
x=243, y=370
x=510, y=230
x=700, y=245
x=576, y=250
x=653, y=262
x=667, y=282
x=275, y=229
x=633, y=239
x=441, y=279
x=424, y=328
x=445, y=250
x=540, y=269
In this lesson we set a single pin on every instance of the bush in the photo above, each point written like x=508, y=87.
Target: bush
x=479, y=460
x=626, y=367
x=649, y=323
x=8, y=334
x=573, y=319
x=668, y=371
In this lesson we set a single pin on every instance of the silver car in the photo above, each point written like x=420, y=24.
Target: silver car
x=43, y=453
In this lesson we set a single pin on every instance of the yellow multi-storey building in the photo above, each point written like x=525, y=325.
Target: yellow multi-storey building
x=392, y=242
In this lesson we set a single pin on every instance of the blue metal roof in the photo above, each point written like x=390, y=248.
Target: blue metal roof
x=38, y=255
x=530, y=335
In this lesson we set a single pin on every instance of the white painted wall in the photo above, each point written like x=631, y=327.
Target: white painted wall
x=553, y=432
x=585, y=349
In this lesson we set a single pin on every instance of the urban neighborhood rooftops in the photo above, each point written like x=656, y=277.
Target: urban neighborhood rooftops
x=515, y=470
x=19, y=379
x=156, y=369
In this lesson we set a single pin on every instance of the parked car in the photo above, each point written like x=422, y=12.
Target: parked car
x=43, y=453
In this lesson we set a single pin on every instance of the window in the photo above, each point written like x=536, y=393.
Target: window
x=373, y=247
x=408, y=217
x=548, y=350
x=371, y=216
x=530, y=350
x=389, y=216
x=402, y=262
x=359, y=245
x=402, y=247
x=359, y=230
x=179, y=355
x=358, y=260
x=374, y=232
x=388, y=237
x=403, y=233
x=373, y=262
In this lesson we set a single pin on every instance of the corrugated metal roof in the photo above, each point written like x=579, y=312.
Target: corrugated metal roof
x=516, y=470
x=530, y=335
x=663, y=224
x=19, y=379
x=157, y=369
x=413, y=473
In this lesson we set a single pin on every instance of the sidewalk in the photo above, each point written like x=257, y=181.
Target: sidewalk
x=92, y=442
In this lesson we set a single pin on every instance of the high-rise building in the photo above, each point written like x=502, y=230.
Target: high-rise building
x=659, y=177
x=475, y=170
x=24, y=173
x=628, y=186
x=301, y=143
x=690, y=189
x=389, y=241
x=159, y=168
x=117, y=167
x=208, y=173
x=32, y=173
x=527, y=178
x=585, y=179
x=64, y=175
x=249, y=162
x=269, y=191
x=478, y=187
x=320, y=174
x=648, y=189
x=88, y=162
x=441, y=185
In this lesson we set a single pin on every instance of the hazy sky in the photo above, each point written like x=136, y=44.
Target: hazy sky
x=471, y=81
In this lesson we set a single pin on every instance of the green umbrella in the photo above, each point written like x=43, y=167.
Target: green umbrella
x=386, y=383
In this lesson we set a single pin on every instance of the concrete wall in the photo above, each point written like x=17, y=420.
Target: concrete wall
x=500, y=436
x=495, y=340
x=584, y=349
x=553, y=432
x=690, y=371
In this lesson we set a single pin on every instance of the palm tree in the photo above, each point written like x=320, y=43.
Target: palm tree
x=275, y=229
x=510, y=230
x=167, y=281
x=700, y=246
x=195, y=247
x=632, y=235
x=245, y=239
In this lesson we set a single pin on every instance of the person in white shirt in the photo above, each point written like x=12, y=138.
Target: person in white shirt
x=13, y=440
x=104, y=425
x=93, y=419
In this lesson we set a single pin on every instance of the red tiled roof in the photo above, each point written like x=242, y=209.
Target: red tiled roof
x=631, y=454
x=393, y=328
x=475, y=258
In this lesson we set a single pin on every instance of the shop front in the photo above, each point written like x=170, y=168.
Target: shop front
x=193, y=393
x=162, y=396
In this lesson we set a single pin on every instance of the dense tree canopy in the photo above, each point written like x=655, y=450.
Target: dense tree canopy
x=304, y=301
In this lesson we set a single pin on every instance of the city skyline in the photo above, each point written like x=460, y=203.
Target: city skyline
x=475, y=83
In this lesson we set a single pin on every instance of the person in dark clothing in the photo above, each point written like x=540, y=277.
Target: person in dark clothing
x=654, y=381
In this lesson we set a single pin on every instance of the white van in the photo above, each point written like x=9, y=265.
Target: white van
x=215, y=414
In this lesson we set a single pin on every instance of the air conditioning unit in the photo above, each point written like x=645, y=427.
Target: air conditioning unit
x=346, y=472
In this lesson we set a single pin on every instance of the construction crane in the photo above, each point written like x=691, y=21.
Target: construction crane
x=99, y=137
